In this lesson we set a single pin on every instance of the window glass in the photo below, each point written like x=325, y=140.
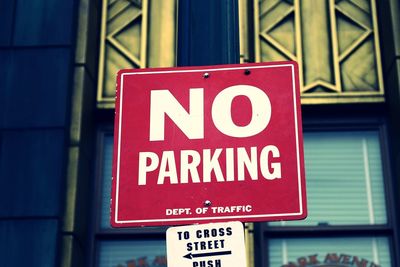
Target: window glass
x=138, y=253
x=106, y=181
x=344, y=179
x=360, y=251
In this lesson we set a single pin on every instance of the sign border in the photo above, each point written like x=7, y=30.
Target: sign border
x=244, y=67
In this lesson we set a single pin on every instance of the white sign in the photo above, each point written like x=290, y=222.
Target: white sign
x=206, y=245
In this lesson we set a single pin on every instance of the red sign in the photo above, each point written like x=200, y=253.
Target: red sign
x=208, y=144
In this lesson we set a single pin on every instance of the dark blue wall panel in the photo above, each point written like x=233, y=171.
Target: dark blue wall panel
x=36, y=67
x=44, y=22
x=6, y=21
x=31, y=172
x=5, y=80
x=35, y=87
x=28, y=243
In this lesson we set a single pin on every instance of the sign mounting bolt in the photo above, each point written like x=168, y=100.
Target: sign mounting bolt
x=206, y=75
x=247, y=72
x=207, y=203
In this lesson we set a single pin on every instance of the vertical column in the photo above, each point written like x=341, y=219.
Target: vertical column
x=161, y=34
x=80, y=142
x=390, y=40
x=208, y=32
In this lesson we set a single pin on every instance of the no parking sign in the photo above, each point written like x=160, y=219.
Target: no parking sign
x=208, y=144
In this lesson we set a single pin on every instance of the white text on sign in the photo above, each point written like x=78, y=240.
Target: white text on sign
x=192, y=125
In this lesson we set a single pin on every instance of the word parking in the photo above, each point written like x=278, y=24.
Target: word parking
x=164, y=104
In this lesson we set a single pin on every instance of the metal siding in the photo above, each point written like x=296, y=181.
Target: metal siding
x=31, y=172
x=44, y=22
x=35, y=89
x=28, y=243
x=6, y=21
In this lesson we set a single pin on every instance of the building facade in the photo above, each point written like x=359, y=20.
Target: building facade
x=58, y=63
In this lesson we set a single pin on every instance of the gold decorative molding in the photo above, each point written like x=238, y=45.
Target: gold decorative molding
x=162, y=33
x=123, y=44
x=335, y=42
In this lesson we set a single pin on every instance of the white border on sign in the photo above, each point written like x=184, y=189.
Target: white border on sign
x=220, y=217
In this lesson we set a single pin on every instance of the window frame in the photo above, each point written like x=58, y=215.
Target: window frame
x=112, y=234
x=263, y=233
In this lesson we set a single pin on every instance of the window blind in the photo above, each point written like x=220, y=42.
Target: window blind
x=329, y=250
x=343, y=174
x=106, y=181
x=344, y=179
x=138, y=253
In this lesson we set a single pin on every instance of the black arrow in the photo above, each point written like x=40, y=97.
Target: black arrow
x=209, y=254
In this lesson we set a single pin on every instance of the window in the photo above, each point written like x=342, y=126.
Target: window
x=359, y=251
x=106, y=180
x=137, y=253
x=344, y=173
x=349, y=217
x=348, y=220
x=121, y=247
